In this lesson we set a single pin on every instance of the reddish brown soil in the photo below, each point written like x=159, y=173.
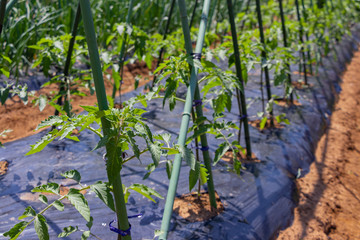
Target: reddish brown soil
x=329, y=196
x=286, y=102
x=24, y=119
x=301, y=85
x=197, y=209
x=3, y=167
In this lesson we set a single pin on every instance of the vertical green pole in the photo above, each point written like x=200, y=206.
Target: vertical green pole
x=239, y=93
x=164, y=38
x=120, y=206
x=246, y=12
x=264, y=58
x=301, y=33
x=68, y=61
x=122, y=50
x=187, y=110
x=284, y=32
x=307, y=36
x=193, y=14
x=2, y=13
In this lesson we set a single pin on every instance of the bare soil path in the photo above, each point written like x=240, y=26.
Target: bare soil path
x=329, y=195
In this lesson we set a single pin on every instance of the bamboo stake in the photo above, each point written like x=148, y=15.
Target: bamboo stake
x=65, y=85
x=301, y=33
x=193, y=14
x=240, y=94
x=264, y=58
x=284, y=32
x=187, y=110
x=120, y=206
x=307, y=36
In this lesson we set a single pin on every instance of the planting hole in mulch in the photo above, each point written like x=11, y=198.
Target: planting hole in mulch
x=284, y=102
x=229, y=157
x=3, y=167
x=256, y=124
x=301, y=85
x=195, y=208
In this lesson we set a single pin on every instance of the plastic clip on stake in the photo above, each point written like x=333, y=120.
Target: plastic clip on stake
x=197, y=103
x=196, y=56
x=123, y=233
x=243, y=116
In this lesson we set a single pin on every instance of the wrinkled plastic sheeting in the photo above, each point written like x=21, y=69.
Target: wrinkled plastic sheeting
x=258, y=203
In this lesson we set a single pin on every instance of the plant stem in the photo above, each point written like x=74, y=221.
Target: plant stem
x=264, y=58
x=164, y=38
x=239, y=93
x=186, y=113
x=123, y=47
x=284, y=32
x=120, y=206
x=67, y=64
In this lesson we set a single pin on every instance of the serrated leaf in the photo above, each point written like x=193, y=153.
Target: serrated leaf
x=194, y=176
x=4, y=93
x=222, y=149
x=58, y=205
x=48, y=188
x=16, y=230
x=85, y=235
x=79, y=202
x=51, y=121
x=41, y=227
x=188, y=156
x=145, y=191
x=102, y=143
x=29, y=212
x=155, y=151
x=41, y=144
x=103, y=192
x=67, y=231
x=72, y=174
x=43, y=199
x=203, y=174
x=42, y=102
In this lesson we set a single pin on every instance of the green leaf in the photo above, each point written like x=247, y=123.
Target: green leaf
x=67, y=231
x=194, y=176
x=263, y=123
x=103, y=192
x=188, y=156
x=85, y=235
x=16, y=230
x=72, y=174
x=155, y=151
x=43, y=199
x=51, y=121
x=48, y=188
x=4, y=93
x=58, y=205
x=29, y=212
x=41, y=227
x=169, y=166
x=79, y=202
x=42, y=102
x=41, y=144
x=145, y=191
x=102, y=143
x=203, y=174
x=90, y=223
x=222, y=149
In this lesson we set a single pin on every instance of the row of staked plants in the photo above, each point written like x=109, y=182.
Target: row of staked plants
x=60, y=38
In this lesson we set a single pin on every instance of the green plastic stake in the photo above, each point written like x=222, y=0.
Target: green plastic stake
x=187, y=110
x=307, y=36
x=120, y=206
x=301, y=33
x=264, y=58
x=284, y=32
x=2, y=13
x=65, y=85
x=240, y=94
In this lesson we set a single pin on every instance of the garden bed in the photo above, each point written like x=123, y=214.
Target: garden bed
x=258, y=203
